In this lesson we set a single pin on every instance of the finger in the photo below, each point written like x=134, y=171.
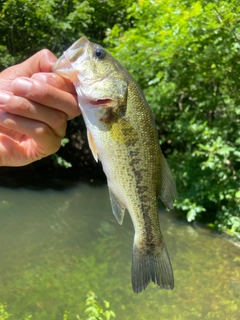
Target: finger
x=56, y=81
x=41, y=133
x=47, y=95
x=25, y=108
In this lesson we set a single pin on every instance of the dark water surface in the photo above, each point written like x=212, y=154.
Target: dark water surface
x=55, y=246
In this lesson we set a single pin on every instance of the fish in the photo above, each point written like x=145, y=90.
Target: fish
x=122, y=134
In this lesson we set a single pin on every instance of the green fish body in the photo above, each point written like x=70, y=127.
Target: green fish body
x=122, y=134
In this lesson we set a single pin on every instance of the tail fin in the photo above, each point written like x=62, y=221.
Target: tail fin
x=153, y=266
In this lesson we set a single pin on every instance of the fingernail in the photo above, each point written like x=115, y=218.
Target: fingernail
x=4, y=97
x=40, y=77
x=21, y=86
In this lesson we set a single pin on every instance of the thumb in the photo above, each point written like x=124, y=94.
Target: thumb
x=42, y=61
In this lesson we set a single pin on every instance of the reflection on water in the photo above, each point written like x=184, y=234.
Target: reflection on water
x=57, y=245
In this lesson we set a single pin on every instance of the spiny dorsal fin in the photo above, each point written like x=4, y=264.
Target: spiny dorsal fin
x=117, y=208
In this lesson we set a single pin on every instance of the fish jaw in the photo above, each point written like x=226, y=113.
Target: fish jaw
x=64, y=65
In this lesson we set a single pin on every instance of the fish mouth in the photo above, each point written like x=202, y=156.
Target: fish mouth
x=101, y=102
x=63, y=66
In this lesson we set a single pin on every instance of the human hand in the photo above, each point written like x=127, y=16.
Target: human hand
x=34, y=108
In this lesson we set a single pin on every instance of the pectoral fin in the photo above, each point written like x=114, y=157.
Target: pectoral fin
x=167, y=190
x=117, y=208
x=92, y=145
x=122, y=131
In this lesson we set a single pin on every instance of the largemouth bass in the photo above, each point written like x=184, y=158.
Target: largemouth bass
x=122, y=134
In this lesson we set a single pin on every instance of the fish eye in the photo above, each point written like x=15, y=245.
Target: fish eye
x=100, y=53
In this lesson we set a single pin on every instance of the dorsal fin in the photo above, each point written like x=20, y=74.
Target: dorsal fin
x=167, y=189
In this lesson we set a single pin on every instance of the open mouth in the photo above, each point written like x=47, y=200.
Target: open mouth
x=100, y=102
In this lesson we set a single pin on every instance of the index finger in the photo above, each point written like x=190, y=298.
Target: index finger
x=46, y=95
x=56, y=81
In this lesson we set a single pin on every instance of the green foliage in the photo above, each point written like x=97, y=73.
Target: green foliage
x=94, y=310
x=52, y=24
x=60, y=161
x=4, y=315
x=185, y=56
x=105, y=15
x=32, y=26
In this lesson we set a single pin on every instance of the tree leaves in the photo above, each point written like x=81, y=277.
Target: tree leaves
x=32, y=26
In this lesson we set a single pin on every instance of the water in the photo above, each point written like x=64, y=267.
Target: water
x=55, y=246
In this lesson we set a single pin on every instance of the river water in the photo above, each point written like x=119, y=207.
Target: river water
x=56, y=245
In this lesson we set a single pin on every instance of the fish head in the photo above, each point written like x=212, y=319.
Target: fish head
x=98, y=78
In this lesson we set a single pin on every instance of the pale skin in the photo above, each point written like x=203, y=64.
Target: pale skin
x=34, y=108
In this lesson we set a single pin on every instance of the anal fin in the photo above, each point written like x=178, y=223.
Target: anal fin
x=117, y=207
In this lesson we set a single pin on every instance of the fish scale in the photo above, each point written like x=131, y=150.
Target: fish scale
x=122, y=134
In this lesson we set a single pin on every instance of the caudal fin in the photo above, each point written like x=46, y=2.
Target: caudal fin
x=155, y=266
